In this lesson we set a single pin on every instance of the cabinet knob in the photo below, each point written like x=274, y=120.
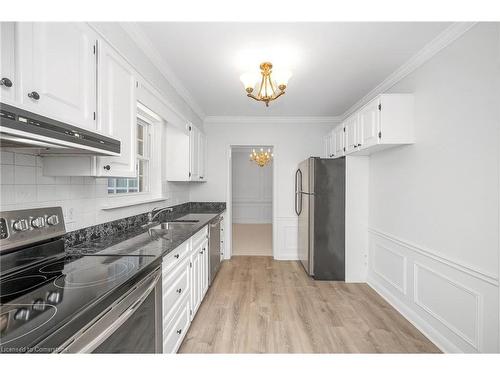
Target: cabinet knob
x=107, y=167
x=179, y=290
x=5, y=82
x=179, y=331
x=176, y=256
x=34, y=95
x=359, y=144
x=201, y=177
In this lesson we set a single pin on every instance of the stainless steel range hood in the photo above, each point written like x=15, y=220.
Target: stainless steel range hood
x=21, y=129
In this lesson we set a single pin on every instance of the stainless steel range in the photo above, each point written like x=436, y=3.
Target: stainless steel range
x=53, y=302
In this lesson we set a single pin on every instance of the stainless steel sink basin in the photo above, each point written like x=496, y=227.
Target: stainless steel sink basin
x=177, y=224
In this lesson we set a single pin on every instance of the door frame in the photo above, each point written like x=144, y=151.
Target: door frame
x=228, y=250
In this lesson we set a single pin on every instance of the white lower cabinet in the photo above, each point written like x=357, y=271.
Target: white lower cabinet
x=175, y=330
x=184, y=285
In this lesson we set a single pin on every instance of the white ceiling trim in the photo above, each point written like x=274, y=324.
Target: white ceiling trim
x=145, y=44
x=236, y=120
x=444, y=39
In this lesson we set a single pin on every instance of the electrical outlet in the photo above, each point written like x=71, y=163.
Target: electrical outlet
x=69, y=215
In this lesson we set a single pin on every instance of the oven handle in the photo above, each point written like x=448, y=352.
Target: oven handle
x=88, y=344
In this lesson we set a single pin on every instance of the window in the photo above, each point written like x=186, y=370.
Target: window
x=139, y=184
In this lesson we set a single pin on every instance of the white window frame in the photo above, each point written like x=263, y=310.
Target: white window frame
x=153, y=123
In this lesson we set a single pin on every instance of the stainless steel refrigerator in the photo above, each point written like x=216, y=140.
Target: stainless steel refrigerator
x=320, y=206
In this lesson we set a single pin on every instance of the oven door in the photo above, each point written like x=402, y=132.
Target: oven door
x=132, y=324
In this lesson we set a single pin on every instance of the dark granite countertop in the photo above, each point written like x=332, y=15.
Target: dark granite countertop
x=150, y=240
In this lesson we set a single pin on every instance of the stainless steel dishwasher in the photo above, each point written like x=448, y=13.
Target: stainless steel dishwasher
x=214, y=248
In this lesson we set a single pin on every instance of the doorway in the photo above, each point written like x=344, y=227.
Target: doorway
x=251, y=202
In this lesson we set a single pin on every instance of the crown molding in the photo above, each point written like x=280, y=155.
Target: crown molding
x=144, y=43
x=241, y=120
x=444, y=39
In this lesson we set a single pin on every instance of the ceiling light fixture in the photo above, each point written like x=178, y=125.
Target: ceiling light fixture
x=271, y=88
x=262, y=158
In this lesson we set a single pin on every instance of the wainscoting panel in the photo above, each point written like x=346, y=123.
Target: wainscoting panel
x=454, y=305
x=286, y=231
x=390, y=266
x=252, y=212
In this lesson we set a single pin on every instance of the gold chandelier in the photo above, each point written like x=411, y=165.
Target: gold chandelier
x=270, y=88
x=262, y=157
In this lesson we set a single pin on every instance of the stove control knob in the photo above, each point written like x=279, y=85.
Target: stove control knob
x=54, y=298
x=20, y=225
x=38, y=305
x=22, y=314
x=53, y=220
x=38, y=222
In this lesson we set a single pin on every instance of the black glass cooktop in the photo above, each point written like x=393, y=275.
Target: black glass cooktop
x=52, y=293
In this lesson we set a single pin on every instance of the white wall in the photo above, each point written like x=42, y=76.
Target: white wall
x=252, y=193
x=434, y=206
x=292, y=143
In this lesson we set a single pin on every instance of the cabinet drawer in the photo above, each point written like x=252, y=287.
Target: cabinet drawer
x=175, y=257
x=200, y=236
x=175, y=332
x=175, y=287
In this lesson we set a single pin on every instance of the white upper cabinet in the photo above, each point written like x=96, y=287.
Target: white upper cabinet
x=202, y=157
x=338, y=147
x=117, y=111
x=351, y=134
x=57, y=71
x=8, y=81
x=385, y=122
x=197, y=144
x=368, y=125
x=194, y=144
x=186, y=154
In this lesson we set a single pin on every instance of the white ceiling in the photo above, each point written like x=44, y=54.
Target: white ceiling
x=333, y=64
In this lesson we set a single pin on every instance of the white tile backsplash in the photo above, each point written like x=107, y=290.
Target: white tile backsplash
x=25, y=159
x=24, y=175
x=6, y=174
x=7, y=195
x=25, y=193
x=6, y=157
x=23, y=185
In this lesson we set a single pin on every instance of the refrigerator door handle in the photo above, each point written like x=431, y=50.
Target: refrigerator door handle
x=298, y=196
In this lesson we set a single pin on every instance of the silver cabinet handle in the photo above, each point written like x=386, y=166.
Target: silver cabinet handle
x=179, y=290
x=179, y=331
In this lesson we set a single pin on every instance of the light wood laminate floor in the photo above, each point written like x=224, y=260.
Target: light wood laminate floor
x=259, y=305
x=253, y=239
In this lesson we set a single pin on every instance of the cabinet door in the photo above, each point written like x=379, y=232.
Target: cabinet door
x=196, y=280
x=351, y=136
x=222, y=236
x=204, y=268
x=117, y=115
x=332, y=140
x=8, y=82
x=369, y=124
x=326, y=145
x=338, y=147
x=202, y=156
x=194, y=135
x=58, y=71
